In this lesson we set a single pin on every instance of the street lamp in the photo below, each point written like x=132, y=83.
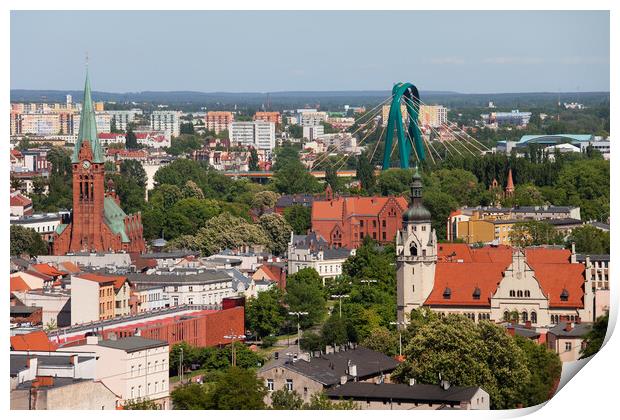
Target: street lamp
x=400, y=336
x=339, y=297
x=234, y=337
x=298, y=314
x=368, y=281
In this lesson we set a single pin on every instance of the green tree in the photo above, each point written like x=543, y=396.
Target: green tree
x=141, y=404
x=187, y=128
x=253, y=162
x=131, y=141
x=26, y=241
x=534, y=232
x=382, y=340
x=467, y=354
x=264, y=200
x=310, y=341
x=192, y=190
x=320, y=401
x=299, y=218
x=545, y=368
x=192, y=396
x=334, y=331
x=283, y=399
x=304, y=293
x=277, y=230
x=593, y=340
x=331, y=178
x=225, y=395
x=294, y=178
x=590, y=240
x=180, y=171
x=365, y=173
x=133, y=170
x=265, y=314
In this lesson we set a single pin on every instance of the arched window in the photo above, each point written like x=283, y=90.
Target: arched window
x=533, y=317
x=413, y=249
x=524, y=316
x=527, y=293
x=512, y=293
x=506, y=316
x=520, y=293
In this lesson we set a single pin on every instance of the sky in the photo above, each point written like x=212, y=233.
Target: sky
x=269, y=51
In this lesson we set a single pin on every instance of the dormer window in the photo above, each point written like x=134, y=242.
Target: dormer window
x=447, y=293
x=564, y=295
x=476, y=294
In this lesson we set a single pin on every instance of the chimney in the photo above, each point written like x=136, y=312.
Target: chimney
x=353, y=370
x=343, y=379
x=569, y=326
x=411, y=381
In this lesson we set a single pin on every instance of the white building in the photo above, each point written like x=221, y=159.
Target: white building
x=311, y=117
x=311, y=132
x=134, y=368
x=151, y=298
x=312, y=251
x=123, y=118
x=166, y=120
x=43, y=223
x=258, y=134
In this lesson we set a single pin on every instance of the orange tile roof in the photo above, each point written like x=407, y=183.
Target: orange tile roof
x=18, y=284
x=97, y=278
x=344, y=207
x=463, y=269
x=119, y=281
x=70, y=267
x=34, y=341
x=48, y=270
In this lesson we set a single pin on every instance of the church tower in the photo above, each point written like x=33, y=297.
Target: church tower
x=88, y=181
x=416, y=254
x=510, y=186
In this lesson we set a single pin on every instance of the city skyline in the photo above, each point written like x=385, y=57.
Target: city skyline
x=495, y=55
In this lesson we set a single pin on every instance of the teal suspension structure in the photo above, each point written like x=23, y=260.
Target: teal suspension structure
x=395, y=120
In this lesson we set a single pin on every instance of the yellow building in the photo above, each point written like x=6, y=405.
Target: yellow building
x=479, y=229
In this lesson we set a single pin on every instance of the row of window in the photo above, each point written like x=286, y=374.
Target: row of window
x=158, y=387
x=520, y=293
x=155, y=367
x=205, y=288
x=523, y=317
x=555, y=319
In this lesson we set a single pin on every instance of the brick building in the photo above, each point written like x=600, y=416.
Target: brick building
x=345, y=221
x=98, y=222
x=218, y=121
x=273, y=117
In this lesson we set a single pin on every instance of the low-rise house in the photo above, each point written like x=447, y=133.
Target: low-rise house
x=92, y=297
x=273, y=272
x=20, y=204
x=122, y=295
x=133, y=367
x=22, y=314
x=308, y=377
x=32, y=342
x=55, y=305
x=387, y=396
x=566, y=339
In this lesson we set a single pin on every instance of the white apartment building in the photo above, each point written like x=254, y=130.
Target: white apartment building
x=259, y=134
x=102, y=118
x=122, y=118
x=311, y=132
x=433, y=115
x=166, y=120
x=190, y=286
x=133, y=368
x=151, y=298
x=311, y=117
x=43, y=223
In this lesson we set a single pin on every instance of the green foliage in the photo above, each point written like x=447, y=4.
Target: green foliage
x=192, y=190
x=365, y=173
x=221, y=232
x=304, y=293
x=131, y=141
x=141, y=404
x=186, y=128
x=382, y=340
x=192, y=396
x=294, y=178
x=265, y=314
x=319, y=401
x=545, y=368
x=534, y=232
x=334, y=331
x=185, y=143
x=466, y=354
x=133, y=169
x=311, y=341
x=278, y=232
x=264, y=200
x=225, y=393
x=253, y=163
x=593, y=340
x=26, y=241
x=590, y=240
x=299, y=217
x=179, y=172
x=283, y=399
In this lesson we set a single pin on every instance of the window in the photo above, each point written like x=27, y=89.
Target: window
x=374, y=223
x=520, y=293
x=524, y=316
x=533, y=317
x=305, y=391
x=413, y=288
x=383, y=236
x=383, y=223
x=568, y=346
x=289, y=384
x=361, y=223
x=269, y=384
x=512, y=293
x=527, y=293
x=132, y=391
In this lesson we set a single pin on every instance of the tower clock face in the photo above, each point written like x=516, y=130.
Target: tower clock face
x=86, y=164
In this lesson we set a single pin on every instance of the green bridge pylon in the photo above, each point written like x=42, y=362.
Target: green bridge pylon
x=395, y=119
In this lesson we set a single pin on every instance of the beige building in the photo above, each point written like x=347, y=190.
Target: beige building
x=566, y=339
x=218, y=121
x=537, y=285
x=133, y=368
x=92, y=297
x=386, y=396
x=307, y=377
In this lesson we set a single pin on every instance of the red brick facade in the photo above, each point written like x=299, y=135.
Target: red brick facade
x=345, y=221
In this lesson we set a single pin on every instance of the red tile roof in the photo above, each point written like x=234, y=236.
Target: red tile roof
x=20, y=200
x=462, y=270
x=345, y=207
x=48, y=270
x=34, y=341
x=110, y=136
x=18, y=284
x=70, y=267
x=98, y=278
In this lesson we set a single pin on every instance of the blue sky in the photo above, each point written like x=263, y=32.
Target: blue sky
x=470, y=52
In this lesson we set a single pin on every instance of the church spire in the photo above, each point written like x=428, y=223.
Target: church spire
x=510, y=187
x=88, y=127
x=416, y=212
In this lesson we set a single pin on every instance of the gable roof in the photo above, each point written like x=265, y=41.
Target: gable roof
x=18, y=284
x=456, y=263
x=420, y=393
x=114, y=217
x=328, y=368
x=98, y=278
x=342, y=208
x=71, y=267
x=48, y=270
x=34, y=341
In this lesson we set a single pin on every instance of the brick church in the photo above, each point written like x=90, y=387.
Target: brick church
x=97, y=222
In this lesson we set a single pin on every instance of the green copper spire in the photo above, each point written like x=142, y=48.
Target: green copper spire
x=88, y=127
